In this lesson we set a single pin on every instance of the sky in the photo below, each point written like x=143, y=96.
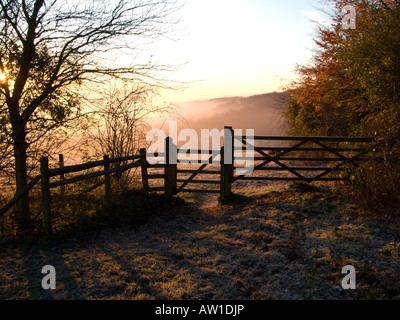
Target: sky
x=239, y=47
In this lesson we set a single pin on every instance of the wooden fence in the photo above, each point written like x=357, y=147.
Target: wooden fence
x=46, y=183
x=174, y=179
x=326, y=151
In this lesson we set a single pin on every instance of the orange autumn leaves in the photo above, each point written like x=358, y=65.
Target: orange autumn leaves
x=352, y=88
x=352, y=84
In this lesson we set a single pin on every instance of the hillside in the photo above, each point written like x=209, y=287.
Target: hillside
x=265, y=113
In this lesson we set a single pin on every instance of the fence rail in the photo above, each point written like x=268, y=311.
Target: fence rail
x=285, y=159
x=19, y=195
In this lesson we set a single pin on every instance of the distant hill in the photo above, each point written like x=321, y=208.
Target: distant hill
x=265, y=113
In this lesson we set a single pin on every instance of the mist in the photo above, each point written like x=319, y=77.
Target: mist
x=265, y=113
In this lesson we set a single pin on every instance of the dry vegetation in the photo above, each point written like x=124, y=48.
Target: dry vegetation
x=277, y=242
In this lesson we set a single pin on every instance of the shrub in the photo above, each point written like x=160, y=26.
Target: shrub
x=375, y=187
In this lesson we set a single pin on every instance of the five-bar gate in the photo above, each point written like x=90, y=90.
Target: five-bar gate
x=278, y=158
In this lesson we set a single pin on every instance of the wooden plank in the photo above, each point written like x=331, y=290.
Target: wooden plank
x=288, y=179
x=299, y=169
x=344, y=158
x=294, y=170
x=77, y=179
x=88, y=165
x=155, y=176
x=95, y=186
x=76, y=168
x=201, y=181
x=337, y=167
x=309, y=139
x=196, y=151
x=127, y=158
x=94, y=175
x=202, y=172
x=194, y=175
x=303, y=149
x=199, y=161
x=18, y=195
x=191, y=177
x=156, y=166
x=276, y=157
x=299, y=159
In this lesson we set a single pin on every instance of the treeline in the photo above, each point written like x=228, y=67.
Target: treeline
x=352, y=88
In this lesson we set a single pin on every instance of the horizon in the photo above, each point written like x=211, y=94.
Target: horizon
x=223, y=58
x=231, y=97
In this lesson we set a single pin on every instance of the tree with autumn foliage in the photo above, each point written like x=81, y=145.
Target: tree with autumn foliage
x=352, y=88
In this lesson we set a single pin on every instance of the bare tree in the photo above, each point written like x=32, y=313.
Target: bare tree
x=50, y=49
x=123, y=115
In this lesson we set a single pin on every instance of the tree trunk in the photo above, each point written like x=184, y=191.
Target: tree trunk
x=20, y=147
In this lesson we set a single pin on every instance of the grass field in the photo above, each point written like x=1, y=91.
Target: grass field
x=278, y=242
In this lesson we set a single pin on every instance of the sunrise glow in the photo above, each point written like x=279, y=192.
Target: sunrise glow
x=241, y=47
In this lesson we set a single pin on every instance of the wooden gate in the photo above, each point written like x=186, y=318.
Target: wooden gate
x=183, y=180
x=280, y=158
x=305, y=158
x=184, y=175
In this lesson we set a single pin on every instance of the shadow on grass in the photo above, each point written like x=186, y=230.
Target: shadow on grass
x=234, y=198
x=34, y=261
x=282, y=245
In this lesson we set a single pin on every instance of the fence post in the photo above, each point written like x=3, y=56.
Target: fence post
x=62, y=176
x=227, y=160
x=107, y=182
x=170, y=156
x=144, y=165
x=226, y=181
x=46, y=206
x=222, y=177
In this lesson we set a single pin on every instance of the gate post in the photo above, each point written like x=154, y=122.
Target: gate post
x=227, y=163
x=144, y=165
x=46, y=207
x=171, y=166
x=222, y=177
x=62, y=176
x=226, y=180
x=107, y=182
